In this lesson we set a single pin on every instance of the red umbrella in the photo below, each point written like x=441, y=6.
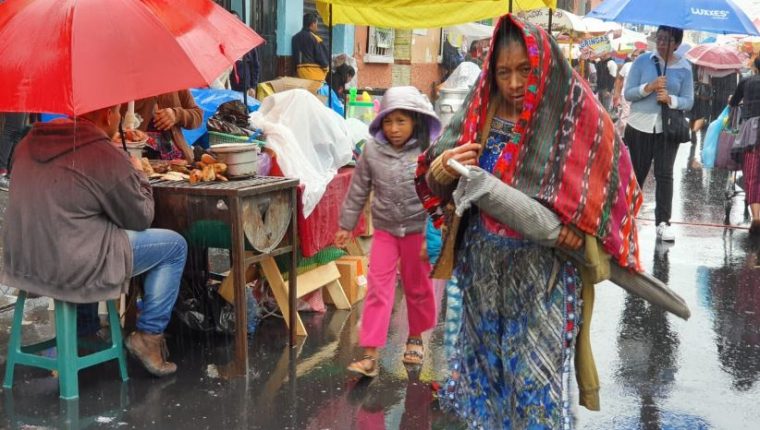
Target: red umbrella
x=76, y=56
x=716, y=56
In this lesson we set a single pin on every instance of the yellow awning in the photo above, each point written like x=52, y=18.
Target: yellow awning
x=409, y=14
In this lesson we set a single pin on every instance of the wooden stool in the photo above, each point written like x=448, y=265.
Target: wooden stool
x=67, y=363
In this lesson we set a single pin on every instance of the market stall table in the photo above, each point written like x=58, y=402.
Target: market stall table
x=261, y=215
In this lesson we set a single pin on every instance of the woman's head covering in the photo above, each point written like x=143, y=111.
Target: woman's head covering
x=409, y=99
x=564, y=150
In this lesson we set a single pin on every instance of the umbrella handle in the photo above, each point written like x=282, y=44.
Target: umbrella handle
x=122, y=135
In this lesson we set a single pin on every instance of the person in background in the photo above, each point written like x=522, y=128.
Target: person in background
x=12, y=127
x=341, y=76
x=166, y=115
x=474, y=55
x=644, y=134
x=404, y=128
x=748, y=141
x=310, y=55
x=77, y=229
x=606, y=74
x=246, y=71
x=618, y=100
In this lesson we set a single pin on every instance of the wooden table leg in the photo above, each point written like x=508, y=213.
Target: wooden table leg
x=240, y=366
x=292, y=273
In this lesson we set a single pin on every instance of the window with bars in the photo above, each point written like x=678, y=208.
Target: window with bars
x=380, y=43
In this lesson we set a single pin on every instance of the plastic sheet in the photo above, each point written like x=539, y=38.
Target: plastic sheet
x=463, y=77
x=310, y=140
x=710, y=146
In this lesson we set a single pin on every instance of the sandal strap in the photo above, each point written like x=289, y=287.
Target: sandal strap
x=417, y=354
x=414, y=341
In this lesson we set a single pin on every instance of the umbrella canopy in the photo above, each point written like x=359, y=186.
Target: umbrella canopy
x=715, y=56
x=472, y=30
x=410, y=14
x=716, y=16
x=629, y=40
x=562, y=20
x=597, y=26
x=76, y=56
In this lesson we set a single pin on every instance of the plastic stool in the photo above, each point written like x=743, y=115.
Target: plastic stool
x=68, y=363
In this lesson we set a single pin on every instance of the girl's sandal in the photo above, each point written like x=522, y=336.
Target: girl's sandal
x=361, y=369
x=412, y=356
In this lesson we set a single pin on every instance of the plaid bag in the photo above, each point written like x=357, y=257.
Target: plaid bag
x=724, y=160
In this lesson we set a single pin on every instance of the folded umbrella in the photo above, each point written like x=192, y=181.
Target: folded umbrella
x=538, y=223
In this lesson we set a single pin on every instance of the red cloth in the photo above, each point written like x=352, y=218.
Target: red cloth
x=318, y=231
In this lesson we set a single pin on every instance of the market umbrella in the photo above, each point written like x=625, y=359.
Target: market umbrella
x=716, y=16
x=716, y=56
x=561, y=20
x=76, y=56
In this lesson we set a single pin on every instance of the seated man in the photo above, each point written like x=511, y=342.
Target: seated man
x=77, y=227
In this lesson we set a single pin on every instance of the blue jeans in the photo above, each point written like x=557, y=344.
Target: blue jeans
x=161, y=255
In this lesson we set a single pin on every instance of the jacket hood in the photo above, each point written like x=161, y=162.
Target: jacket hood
x=406, y=98
x=48, y=141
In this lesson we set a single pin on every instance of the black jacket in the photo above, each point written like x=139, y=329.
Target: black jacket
x=307, y=50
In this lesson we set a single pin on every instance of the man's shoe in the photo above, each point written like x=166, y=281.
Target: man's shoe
x=5, y=182
x=665, y=233
x=151, y=350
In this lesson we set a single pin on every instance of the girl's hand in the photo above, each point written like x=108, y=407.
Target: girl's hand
x=342, y=237
x=569, y=239
x=466, y=154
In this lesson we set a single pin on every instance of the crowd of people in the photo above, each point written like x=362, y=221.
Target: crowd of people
x=523, y=304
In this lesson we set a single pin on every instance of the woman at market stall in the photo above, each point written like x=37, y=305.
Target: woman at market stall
x=164, y=117
x=748, y=140
x=530, y=122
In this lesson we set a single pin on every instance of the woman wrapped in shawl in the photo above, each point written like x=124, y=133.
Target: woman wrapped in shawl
x=534, y=124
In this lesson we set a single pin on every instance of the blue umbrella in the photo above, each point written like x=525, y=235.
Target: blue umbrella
x=715, y=16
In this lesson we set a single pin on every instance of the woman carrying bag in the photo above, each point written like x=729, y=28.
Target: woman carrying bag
x=660, y=87
x=748, y=93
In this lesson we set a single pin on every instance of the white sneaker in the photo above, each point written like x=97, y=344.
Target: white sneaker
x=665, y=233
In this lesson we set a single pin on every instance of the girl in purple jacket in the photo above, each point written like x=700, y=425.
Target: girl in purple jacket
x=404, y=128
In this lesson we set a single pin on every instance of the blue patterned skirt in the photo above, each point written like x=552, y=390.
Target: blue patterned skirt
x=512, y=356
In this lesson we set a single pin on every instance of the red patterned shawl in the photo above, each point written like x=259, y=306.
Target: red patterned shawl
x=567, y=156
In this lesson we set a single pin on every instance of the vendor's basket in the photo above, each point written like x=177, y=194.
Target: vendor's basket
x=216, y=138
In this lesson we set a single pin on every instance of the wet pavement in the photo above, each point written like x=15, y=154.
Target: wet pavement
x=656, y=371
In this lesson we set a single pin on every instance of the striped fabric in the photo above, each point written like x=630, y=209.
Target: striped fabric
x=566, y=153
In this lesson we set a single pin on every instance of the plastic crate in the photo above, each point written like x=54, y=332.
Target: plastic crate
x=216, y=138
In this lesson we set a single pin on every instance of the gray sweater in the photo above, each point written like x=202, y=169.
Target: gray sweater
x=73, y=195
x=390, y=174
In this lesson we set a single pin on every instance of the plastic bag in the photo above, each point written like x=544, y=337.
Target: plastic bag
x=311, y=141
x=710, y=146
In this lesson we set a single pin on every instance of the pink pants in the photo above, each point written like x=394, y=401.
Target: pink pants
x=385, y=253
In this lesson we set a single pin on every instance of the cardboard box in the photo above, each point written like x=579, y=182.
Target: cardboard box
x=265, y=89
x=353, y=277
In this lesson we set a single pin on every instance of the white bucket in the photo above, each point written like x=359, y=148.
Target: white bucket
x=135, y=149
x=241, y=158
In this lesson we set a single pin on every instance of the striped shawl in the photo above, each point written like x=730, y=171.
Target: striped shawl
x=568, y=155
